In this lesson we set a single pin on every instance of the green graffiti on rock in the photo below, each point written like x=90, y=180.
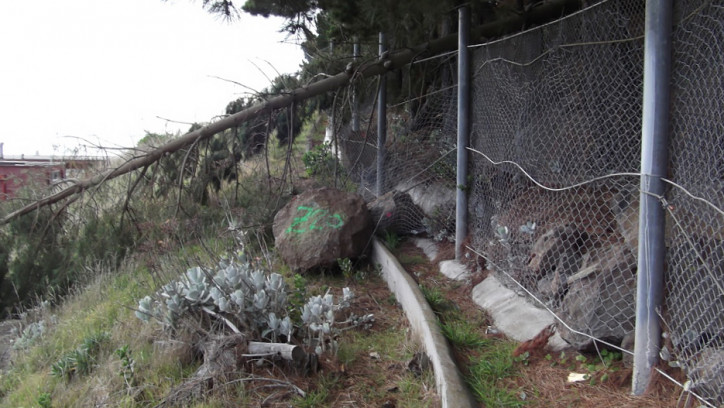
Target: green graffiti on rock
x=314, y=219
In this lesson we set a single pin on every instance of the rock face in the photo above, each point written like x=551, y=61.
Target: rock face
x=555, y=256
x=599, y=298
x=320, y=226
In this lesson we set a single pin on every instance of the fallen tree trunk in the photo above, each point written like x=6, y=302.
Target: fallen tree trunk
x=394, y=60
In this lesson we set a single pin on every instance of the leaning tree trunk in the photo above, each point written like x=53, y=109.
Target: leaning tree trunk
x=397, y=59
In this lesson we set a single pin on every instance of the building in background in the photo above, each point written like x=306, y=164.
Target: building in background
x=17, y=172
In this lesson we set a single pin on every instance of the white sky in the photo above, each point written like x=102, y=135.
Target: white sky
x=104, y=70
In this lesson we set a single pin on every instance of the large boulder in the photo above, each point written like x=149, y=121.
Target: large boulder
x=320, y=226
x=600, y=298
x=555, y=256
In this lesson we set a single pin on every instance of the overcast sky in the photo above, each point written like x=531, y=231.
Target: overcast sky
x=105, y=70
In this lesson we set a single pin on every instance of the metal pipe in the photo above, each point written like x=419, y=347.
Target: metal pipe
x=461, y=202
x=654, y=160
x=381, y=123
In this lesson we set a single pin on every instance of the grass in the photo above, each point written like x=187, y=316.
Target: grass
x=96, y=321
x=408, y=260
x=105, y=303
x=90, y=323
x=463, y=333
x=487, y=372
x=436, y=299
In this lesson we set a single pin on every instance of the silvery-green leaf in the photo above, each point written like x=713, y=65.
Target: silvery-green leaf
x=318, y=350
x=142, y=315
x=216, y=294
x=273, y=321
x=238, y=298
x=347, y=294
x=224, y=305
x=330, y=316
x=306, y=314
x=220, y=279
x=261, y=300
x=314, y=327
x=195, y=275
x=145, y=304
x=316, y=311
x=502, y=233
x=193, y=294
x=326, y=328
x=257, y=278
x=276, y=282
x=286, y=327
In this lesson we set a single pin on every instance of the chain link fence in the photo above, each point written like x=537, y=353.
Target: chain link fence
x=417, y=194
x=554, y=203
x=554, y=172
x=694, y=303
x=556, y=145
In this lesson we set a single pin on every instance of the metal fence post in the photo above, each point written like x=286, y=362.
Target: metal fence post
x=381, y=124
x=654, y=161
x=355, y=101
x=461, y=202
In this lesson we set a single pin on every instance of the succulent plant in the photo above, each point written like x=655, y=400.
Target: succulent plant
x=252, y=299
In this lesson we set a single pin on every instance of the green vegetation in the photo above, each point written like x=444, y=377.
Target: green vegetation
x=490, y=362
x=392, y=240
x=463, y=333
x=487, y=372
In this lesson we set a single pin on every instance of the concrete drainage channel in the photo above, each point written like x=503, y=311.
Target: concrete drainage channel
x=512, y=314
x=449, y=382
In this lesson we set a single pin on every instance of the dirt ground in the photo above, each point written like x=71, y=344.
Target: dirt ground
x=543, y=377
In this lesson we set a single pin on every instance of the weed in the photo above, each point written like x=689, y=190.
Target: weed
x=435, y=298
x=319, y=161
x=317, y=397
x=392, y=240
x=462, y=333
x=127, y=364
x=298, y=297
x=523, y=358
x=345, y=265
x=313, y=399
x=61, y=369
x=44, y=400
x=486, y=371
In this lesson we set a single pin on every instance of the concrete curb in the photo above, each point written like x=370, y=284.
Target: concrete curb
x=450, y=385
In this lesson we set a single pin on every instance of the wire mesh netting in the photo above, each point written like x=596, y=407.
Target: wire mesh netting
x=554, y=205
x=416, y=194
x=694, y=305
x=554, y=172
x=557, y=110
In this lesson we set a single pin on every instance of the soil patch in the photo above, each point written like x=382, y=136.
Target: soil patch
x=542, y=379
